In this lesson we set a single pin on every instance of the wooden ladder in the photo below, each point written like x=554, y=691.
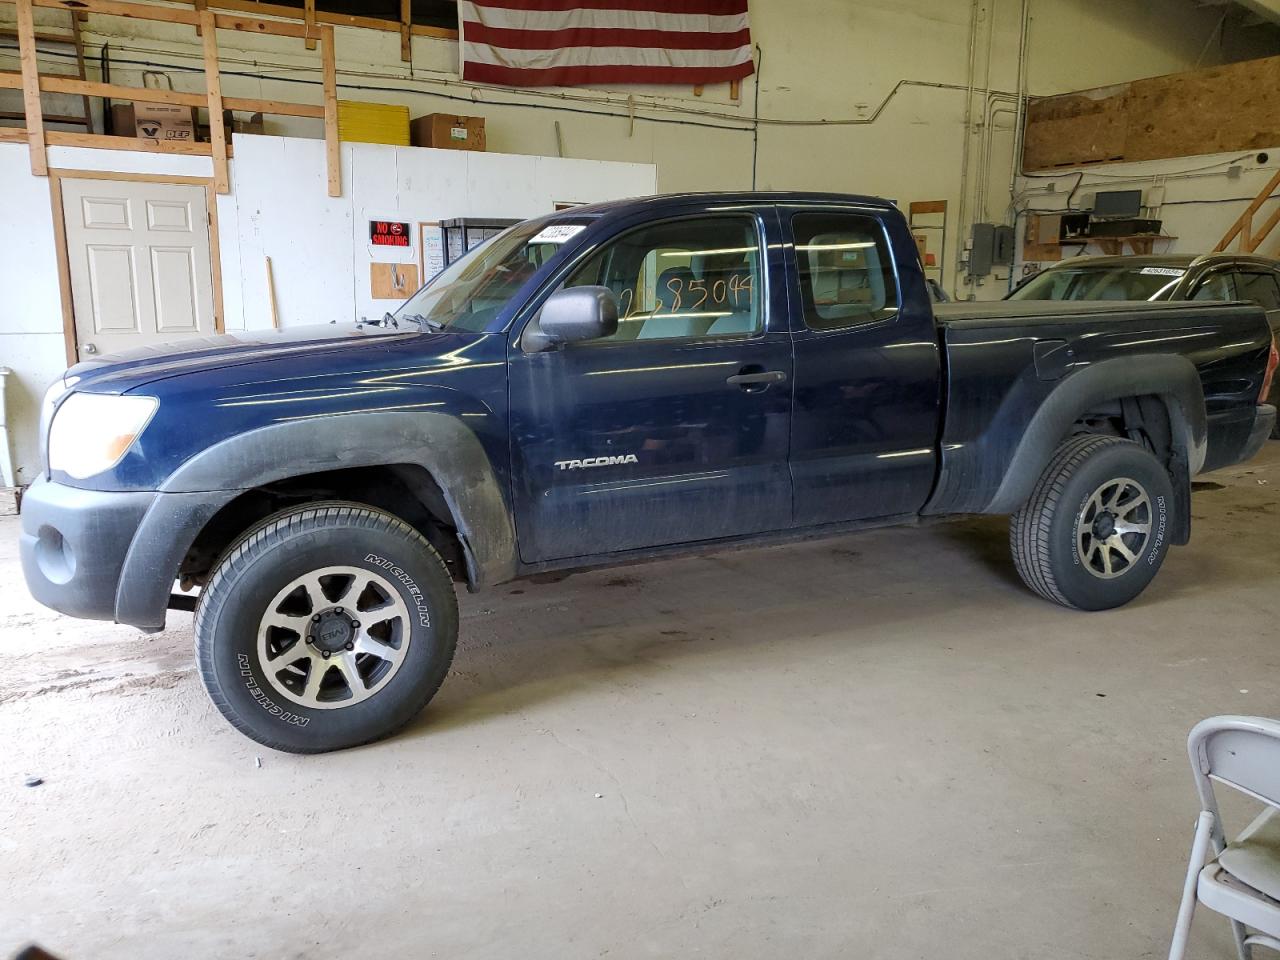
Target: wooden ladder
x=1243, y=227
x=72, y=40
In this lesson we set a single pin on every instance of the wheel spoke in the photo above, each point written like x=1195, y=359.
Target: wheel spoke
x=376, y=648
x=1118, y=545
x=1124, y=528
x=311, y=691
x=346, y=662
x=299, y=651
x=287, y=621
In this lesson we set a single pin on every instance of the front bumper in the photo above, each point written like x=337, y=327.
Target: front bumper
x=74, y=543
x=104, y=555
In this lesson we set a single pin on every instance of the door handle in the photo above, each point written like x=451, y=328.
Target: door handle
x=747, y=380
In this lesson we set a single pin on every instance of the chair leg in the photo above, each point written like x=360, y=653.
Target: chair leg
x=1243, y=947
x=1187, y=909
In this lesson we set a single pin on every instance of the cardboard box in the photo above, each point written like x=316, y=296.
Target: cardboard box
x=154, y=122
x=447, y=131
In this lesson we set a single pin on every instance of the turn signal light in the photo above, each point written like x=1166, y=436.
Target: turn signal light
x=1273, y=361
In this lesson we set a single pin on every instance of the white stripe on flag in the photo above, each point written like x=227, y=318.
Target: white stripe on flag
x=606, y=19
x=602, y=56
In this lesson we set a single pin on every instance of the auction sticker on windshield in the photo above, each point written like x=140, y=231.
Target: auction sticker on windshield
x=559, y=232
x=1162, y=271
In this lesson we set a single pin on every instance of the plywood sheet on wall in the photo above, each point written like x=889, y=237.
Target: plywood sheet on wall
x=1216, y=110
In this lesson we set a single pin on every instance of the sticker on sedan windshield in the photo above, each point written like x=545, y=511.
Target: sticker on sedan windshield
x=558, y=232
x=1162, y=271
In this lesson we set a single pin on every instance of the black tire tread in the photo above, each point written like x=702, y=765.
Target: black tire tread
x=1029, y=540
x=260, y=537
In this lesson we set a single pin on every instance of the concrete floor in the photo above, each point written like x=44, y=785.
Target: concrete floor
x=877, y=747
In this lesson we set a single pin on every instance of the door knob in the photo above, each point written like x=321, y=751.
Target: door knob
x=90, y=348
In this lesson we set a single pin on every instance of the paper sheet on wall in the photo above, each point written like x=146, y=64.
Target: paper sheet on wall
x=432, y=249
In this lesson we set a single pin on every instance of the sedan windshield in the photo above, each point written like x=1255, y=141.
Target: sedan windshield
x=1116, y=282
x=470, y=292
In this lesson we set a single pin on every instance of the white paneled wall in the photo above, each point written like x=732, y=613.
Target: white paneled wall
x=319, y=246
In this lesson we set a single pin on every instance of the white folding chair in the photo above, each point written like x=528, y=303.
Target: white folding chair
x=1242, y=881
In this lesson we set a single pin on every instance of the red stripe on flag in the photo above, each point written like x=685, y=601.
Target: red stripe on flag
x=604, y=73
x=602, y=37
x=715, y=8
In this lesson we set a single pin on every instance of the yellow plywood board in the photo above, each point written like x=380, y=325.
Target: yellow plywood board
x=373, y=123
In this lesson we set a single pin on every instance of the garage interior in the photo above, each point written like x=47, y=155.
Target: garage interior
x=881, y=745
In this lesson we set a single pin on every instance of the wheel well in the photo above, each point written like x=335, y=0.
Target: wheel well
x=1149, y=420
x=1144, y=419
x=406, y=491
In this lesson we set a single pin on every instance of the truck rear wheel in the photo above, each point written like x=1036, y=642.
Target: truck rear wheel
x=1093, y=533
x=327, y=626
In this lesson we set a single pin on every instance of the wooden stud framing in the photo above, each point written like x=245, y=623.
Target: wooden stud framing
x=59, y=138
x=333, y=149
x=64, y=270
x=213, y=84
x=309, y=12
x=120, y=8
x=215, y=257
x=735, y=89
x=31, y=89
x=406, y=28
x=78, y=41
x=332, y=19
x=91, y=88
x=200, y=8
x=1243, y=227
x=275, y=107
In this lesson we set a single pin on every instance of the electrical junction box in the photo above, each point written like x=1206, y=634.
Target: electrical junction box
x=982, y=251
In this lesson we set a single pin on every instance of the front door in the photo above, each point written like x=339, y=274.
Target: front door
x=139, y=256
x=675, y=429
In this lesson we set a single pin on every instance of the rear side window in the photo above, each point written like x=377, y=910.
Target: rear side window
x=1261, y=288
x=845, y=270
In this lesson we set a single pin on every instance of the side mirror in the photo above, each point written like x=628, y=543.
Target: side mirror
x=571, y=315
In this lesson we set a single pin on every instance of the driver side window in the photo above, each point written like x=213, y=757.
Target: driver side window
x=682, y=279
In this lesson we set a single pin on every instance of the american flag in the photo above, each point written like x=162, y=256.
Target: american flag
x=530, y=43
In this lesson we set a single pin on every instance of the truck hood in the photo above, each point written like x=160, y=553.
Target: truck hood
x=118, y=372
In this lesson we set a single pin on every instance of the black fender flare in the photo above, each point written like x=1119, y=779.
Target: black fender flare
x=1172, y=379
x=448, y=449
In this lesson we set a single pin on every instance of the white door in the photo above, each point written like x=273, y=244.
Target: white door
x=139, y=258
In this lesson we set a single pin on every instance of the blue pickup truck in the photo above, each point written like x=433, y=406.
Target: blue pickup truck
x=609, y=384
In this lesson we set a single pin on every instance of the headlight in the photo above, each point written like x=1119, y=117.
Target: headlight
x=92, y=431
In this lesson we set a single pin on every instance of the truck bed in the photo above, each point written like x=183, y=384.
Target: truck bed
x=1002, y=361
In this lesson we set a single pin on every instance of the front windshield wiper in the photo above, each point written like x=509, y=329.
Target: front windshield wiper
x=435, y=326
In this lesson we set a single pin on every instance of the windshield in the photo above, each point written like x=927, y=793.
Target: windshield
x=1114, y=282
x=470, y=292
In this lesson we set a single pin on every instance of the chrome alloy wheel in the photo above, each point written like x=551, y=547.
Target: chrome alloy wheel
x=333, y=637
x=1113, y=527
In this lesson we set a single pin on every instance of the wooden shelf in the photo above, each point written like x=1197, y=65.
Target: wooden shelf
x=1139, y=243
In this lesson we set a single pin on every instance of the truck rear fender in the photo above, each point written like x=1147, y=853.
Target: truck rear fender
x=1173, y=380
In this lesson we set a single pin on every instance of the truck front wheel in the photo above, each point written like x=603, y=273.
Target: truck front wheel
x=1094, y=532
x=325, y=627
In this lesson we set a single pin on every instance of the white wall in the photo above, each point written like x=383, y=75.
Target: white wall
x=278, y=207
x=319, y=245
